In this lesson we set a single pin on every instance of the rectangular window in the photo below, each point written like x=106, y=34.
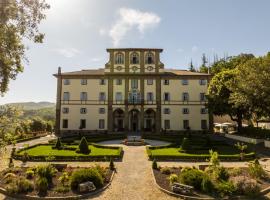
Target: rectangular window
x=83, y=96
x=83, y=81
x=102, y=82
x=184, y=82
x=186, y=124
x=101, y=124
x=118, y=81
x=66, y=82
x=118, y=96
x=66, y=96
x=83, y=124
x=65, y=110
x=185, y=111
x=204, y=124
x=65, y=123
x=185, y=96
x=166, y=82
x=166, y=96
x=167, y=124
x=102, y=96
x=150, y=81
x=202, y=82
x=134, y=83
x=166, y=110
x=204, y=111
x=150, y=96
x=101, y=110
x=202, y=97
x=83, y=110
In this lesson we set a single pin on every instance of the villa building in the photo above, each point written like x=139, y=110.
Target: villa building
x=132, y=93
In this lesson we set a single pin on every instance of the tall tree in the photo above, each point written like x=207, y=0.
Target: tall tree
x=191, y=67
x=19, y=20
x=203, y=67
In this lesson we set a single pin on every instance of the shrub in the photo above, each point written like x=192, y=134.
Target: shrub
x=42, y=185
x=101, y=170
x=173, y=178
x=207, y=185
x=30, y=173
x=185, y=144
x=191, y=176
x=83, y=146
x=12, y=188
x=166, y=170
x=22, y=185
x=225, y=188
x=62, y=189
x=46, y=171
x=84, y=175
x=255, y=169
x=222, y=173
x=64, y=178
x=246, y=186
x=154, y=164
x=112, y=167
x=58, y=144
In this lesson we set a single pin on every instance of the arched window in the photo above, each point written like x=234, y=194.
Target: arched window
x=134, y=58
x=149, y=59
x=119, y=58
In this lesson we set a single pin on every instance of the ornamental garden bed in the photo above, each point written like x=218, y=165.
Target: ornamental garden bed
x=198, y=150
x=47, y=181
x=214, y=182
x=43, y=152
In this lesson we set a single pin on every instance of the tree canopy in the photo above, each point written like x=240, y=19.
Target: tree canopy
x=19, y=20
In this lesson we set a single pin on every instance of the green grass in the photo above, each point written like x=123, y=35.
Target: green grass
x=46, y=150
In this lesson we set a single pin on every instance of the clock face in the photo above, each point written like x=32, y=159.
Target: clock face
x=119, y=68
x=150, y=68
x=134, y=68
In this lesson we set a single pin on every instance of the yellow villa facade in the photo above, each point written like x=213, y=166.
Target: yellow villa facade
x=132, y=93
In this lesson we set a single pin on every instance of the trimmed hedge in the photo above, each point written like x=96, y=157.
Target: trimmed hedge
x=255, y=132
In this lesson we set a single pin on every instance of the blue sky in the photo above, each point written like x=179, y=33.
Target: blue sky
x=79, y=31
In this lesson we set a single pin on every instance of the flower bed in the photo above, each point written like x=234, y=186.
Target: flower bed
x=47, y=181
x=41, y=152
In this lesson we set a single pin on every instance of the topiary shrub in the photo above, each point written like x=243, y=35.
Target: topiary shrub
x=154, y=164
x=58, y=144
x=185, y=144
x=173, y=178
x=83, y=146
x=112, y=167
x=84, y=175
x=42, y=185
x=191, y=176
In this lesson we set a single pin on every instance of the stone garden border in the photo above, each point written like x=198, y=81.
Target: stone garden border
x=80, y=196
x=262, y=192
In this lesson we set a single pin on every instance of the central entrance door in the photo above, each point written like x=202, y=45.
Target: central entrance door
x=134, y=120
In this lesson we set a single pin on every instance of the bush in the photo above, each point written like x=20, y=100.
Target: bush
x=30, y=173
x=58, y=144
x=42, y=185
x=225, y=188
x=207, y=185
x=222, y=174
x=112, y=167
x=62, y=189
x=83, y=146
x=154, y=164
x=173, y=178
x=166, y=170
x=255, y=169
x=101, y=170
x=246, y=186
x=64, y=178
x=12, y=188
x=191, y=176
x=46, y=171
x=84, y=175
x=22, y=185
x=185, y=144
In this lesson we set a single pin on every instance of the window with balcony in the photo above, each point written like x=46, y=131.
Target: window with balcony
x=102, y=96
x=134, y=97
x=65, y=123
x=184, y=82
x=185, y=96
x=83, y=96
x=66, y=96
x=166, y=96
x=65, y=110
x=83, y=81
x=83, y=110
x=119, y=58
x=185, y=111
x=66, y=82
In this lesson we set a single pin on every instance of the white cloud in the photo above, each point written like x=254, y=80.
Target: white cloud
x=67, y=52
x=96, y=59
x=129, y=19
x=194, y=49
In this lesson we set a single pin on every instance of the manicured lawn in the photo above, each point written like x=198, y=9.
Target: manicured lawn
x=46, y=150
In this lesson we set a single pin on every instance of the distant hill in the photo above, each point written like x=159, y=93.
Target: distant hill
x=33, y=105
